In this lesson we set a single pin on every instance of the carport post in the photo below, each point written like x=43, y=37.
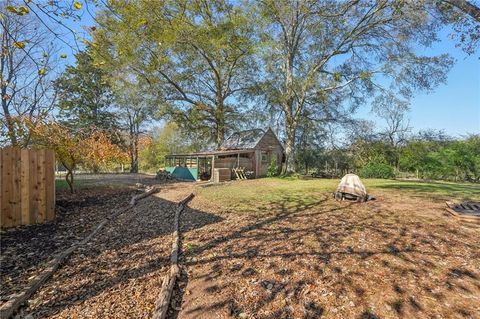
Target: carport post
x=213, y=167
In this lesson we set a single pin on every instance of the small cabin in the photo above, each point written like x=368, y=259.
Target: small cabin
x=250, y=150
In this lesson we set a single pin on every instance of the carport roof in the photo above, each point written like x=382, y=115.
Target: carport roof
x=212, y=153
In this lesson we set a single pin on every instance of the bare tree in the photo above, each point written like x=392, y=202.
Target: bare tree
x=26, y=65
x=394, y=112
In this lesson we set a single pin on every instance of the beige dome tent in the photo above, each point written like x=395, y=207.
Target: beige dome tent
x=351, y=187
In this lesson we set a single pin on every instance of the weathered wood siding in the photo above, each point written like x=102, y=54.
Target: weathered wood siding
x=27, y=186
x=271, y=146
x=222, y=175
x=233, y=162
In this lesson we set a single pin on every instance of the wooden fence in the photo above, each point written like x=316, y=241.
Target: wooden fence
x=27, y=186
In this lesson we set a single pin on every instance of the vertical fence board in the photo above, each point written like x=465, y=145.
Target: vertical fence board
x=3, y=189
x=42, y=205
x=50, y=184
x=16, y=194
x=7, y=187
x=25, y=185
x=33, y=186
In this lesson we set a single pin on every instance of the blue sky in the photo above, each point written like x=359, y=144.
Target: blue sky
x=453, y=107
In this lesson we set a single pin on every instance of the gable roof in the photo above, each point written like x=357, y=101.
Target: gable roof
x=243, y=139
x=248, y=139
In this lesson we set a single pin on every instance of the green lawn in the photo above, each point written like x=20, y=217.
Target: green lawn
x=434, y=190
x=61, y=184
x=261, y=194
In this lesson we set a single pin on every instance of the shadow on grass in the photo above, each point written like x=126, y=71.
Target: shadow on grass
x=435, y=190
x=318, y=240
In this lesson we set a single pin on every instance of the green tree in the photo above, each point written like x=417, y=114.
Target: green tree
x=321, y=54
x=136, y=108
x=197, y=55
x=168, y=139
x=85, y=97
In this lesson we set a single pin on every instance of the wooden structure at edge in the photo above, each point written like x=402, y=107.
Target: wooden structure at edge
x=27, y=186
x=253, y=155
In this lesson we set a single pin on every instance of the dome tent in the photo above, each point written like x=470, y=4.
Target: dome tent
x=351, y=187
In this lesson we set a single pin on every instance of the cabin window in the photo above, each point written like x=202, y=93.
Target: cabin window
x=264, y=157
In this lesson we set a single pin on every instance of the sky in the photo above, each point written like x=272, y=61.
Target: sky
x=453, y=107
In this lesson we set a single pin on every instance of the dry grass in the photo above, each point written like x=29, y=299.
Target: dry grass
x=285, y=249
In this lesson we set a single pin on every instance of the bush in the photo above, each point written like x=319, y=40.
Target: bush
x=377, y=170
x=273, y=167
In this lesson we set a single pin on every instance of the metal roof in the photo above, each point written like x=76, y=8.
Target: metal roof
x=247, y=139
x=210, y=153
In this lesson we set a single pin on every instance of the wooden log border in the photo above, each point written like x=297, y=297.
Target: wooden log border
x=463, y=217
x=16, y=300
x=163, y=299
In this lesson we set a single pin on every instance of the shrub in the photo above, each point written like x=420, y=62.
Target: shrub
x=273, y=167
x=377, y=170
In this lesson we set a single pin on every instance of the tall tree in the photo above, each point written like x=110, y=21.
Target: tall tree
x=136, y=108
x=85, y=98
x=322, y=54
x=394, y=112
x=197, y=53
x=27, y=61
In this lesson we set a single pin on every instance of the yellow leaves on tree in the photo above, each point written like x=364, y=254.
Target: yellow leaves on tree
x=145, y=142
x=18, y=10
x=67, y=145
x=100, y=152
x=77, y=5
x=90, y=149
x=19, y=45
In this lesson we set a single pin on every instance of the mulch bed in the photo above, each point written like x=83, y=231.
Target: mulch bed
x=24, y=250
x=393, y=258
x=116, y=275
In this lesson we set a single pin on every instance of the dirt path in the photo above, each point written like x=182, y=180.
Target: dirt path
x=25, y=249
x=119, y=273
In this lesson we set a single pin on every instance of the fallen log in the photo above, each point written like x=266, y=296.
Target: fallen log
x=16, y=300
x=149, y=192
x=163, y=300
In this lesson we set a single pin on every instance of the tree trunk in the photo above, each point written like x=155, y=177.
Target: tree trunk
x=69, y=179
x=220, y=121
x=134, y=155
x=133, y=146
x=290, y=129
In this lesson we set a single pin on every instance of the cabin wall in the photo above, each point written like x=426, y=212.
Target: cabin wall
x=268, y=147
x=232, y=162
